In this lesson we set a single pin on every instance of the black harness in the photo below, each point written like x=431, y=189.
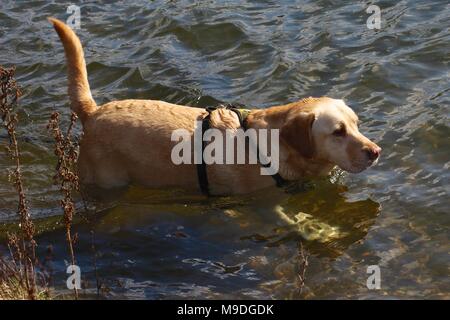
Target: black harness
x=201, y=167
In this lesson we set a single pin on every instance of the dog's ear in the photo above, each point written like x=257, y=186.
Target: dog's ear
x=297, y=133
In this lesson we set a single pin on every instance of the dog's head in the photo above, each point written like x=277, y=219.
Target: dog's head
x=327, y=129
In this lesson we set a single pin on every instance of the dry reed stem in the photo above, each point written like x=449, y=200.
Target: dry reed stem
x=303, y=256
x=24, y=246
x=66, y=177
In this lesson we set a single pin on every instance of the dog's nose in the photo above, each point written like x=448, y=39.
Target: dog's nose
x=373, y=153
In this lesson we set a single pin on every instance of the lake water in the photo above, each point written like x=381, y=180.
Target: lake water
x=152, y=244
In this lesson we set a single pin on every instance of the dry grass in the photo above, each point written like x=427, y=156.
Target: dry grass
x=66, y=176
x=18, y=276
x=303, y=256
x=22, y=246
x=12, y=283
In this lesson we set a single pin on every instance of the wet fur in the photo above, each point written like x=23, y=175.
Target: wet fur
x=129, y=141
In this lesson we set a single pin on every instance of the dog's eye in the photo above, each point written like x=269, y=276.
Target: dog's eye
x=341, y=132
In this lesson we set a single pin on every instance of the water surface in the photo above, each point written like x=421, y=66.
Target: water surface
x=154, y=244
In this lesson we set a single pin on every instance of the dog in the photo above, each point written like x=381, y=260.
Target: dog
x=129, y=141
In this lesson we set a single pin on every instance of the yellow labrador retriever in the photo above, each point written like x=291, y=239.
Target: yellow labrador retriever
x=129, y=141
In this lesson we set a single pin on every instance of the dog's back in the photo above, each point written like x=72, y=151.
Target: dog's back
x=124, y=141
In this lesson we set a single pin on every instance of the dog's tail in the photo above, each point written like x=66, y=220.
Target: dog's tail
x=81, y=100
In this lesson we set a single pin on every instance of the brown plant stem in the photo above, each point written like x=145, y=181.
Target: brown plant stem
x=303, y=256
x=66, y=152
x=9, y=95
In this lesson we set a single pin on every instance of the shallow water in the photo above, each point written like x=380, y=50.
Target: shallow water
x=168, y=245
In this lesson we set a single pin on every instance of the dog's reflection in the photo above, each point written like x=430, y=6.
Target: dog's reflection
x=319, y=214
x=322, y=217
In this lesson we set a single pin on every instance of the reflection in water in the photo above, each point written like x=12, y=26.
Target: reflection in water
x=310, y=228
x=328, y=224
x=171, y=235
x=262, y=241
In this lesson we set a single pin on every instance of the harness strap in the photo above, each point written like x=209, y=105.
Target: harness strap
x=201, y=167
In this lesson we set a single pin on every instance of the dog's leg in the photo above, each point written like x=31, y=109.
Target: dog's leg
x=110, y=174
